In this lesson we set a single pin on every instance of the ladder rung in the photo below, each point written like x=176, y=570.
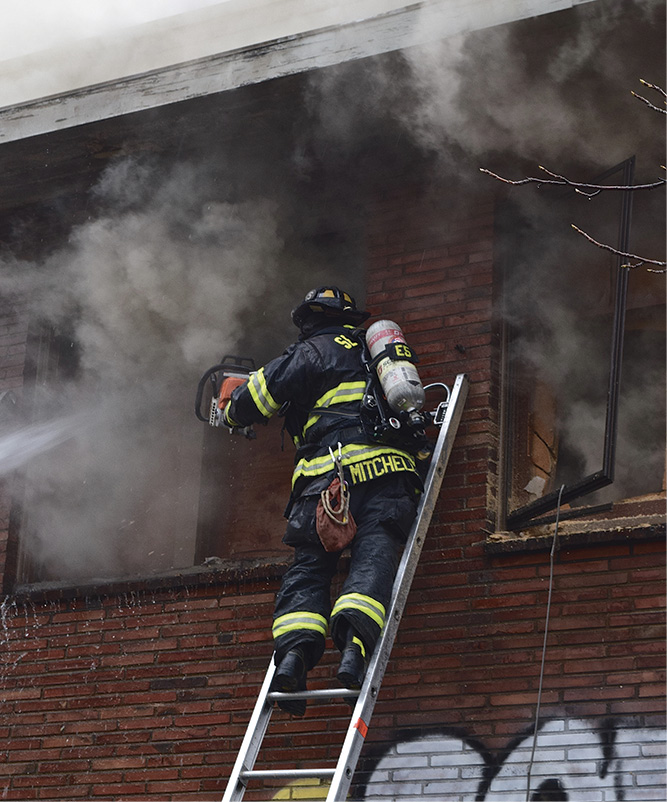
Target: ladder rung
x=286, y=774
x=320, y=693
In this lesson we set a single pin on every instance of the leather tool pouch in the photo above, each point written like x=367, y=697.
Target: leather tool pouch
x=335, y=525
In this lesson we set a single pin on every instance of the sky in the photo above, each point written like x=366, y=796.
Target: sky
x=30, y=26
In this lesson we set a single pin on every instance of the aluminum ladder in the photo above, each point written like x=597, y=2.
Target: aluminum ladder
x=447, y=417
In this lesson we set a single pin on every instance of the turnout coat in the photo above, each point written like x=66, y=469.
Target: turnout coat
x=318, y=384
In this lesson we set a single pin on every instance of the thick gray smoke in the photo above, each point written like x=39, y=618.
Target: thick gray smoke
x=541, y=90
x=559, y=299
x=553, y=91
x=152, y=291
x=548, y=88
x=158, y=285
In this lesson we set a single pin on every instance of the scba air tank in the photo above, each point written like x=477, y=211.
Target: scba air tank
x=400, y=381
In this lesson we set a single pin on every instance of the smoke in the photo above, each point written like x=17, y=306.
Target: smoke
x=558, y=300
x=178, y=274
x=551, y=88
x=177, y=264
x=163, y=279
x=553, y=91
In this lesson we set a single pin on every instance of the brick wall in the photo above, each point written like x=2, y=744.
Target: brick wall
x=143, y=691
x=140, y=693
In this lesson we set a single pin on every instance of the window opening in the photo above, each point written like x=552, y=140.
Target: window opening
x=113, y=497
x=540, y=453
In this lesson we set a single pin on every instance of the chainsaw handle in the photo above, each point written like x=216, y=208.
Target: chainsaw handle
x=200, y=391
x=238, y=363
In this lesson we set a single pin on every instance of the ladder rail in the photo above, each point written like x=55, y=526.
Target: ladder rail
x=252, y=740
x=342, y=774
x=256, y=729
x=356, y=733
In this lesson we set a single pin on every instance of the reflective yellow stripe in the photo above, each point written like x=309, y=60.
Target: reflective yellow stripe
x=371, y=462
x=360, y=644
x=299, y=620
x=341, y=394
x=263, y=399
x=226, y=416
x=364, y=604
x=345, y=391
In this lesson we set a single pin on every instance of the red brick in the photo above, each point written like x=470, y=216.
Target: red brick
x=630, y=707
x=115, y=788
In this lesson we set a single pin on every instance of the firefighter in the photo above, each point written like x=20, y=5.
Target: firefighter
x=320, y=381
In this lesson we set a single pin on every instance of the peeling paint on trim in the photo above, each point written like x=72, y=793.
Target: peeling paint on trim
x=409, y=26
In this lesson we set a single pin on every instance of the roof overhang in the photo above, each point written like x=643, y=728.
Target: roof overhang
x=260, y=40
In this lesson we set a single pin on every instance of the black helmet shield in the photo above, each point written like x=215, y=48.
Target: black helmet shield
x=329, y=303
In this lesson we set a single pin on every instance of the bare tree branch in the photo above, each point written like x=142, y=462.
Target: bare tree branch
x=648, y=102
x=640, y=259
x=591, y=190
x=578, y=185
x=658, y=89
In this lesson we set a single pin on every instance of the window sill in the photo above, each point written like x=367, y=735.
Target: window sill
x=215, y=572
x=631, y=519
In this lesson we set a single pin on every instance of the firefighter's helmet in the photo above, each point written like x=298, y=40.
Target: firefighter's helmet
x=330, y=302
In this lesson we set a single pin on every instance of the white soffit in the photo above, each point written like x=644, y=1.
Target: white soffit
x=223, y=47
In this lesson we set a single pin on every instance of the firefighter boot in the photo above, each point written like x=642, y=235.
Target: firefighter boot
x=352, y=666
x=290, y=677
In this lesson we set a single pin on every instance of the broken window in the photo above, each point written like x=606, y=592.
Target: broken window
x=112, y=489
x=584, y=355
x=119, y=487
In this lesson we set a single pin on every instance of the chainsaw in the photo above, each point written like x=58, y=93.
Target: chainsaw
x=231, y=372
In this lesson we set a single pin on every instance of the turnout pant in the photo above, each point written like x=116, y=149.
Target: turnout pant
x=383, y=510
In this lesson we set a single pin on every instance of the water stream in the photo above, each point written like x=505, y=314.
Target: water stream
x=21, y=445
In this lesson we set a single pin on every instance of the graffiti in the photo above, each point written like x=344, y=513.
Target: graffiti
x=571, y=760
